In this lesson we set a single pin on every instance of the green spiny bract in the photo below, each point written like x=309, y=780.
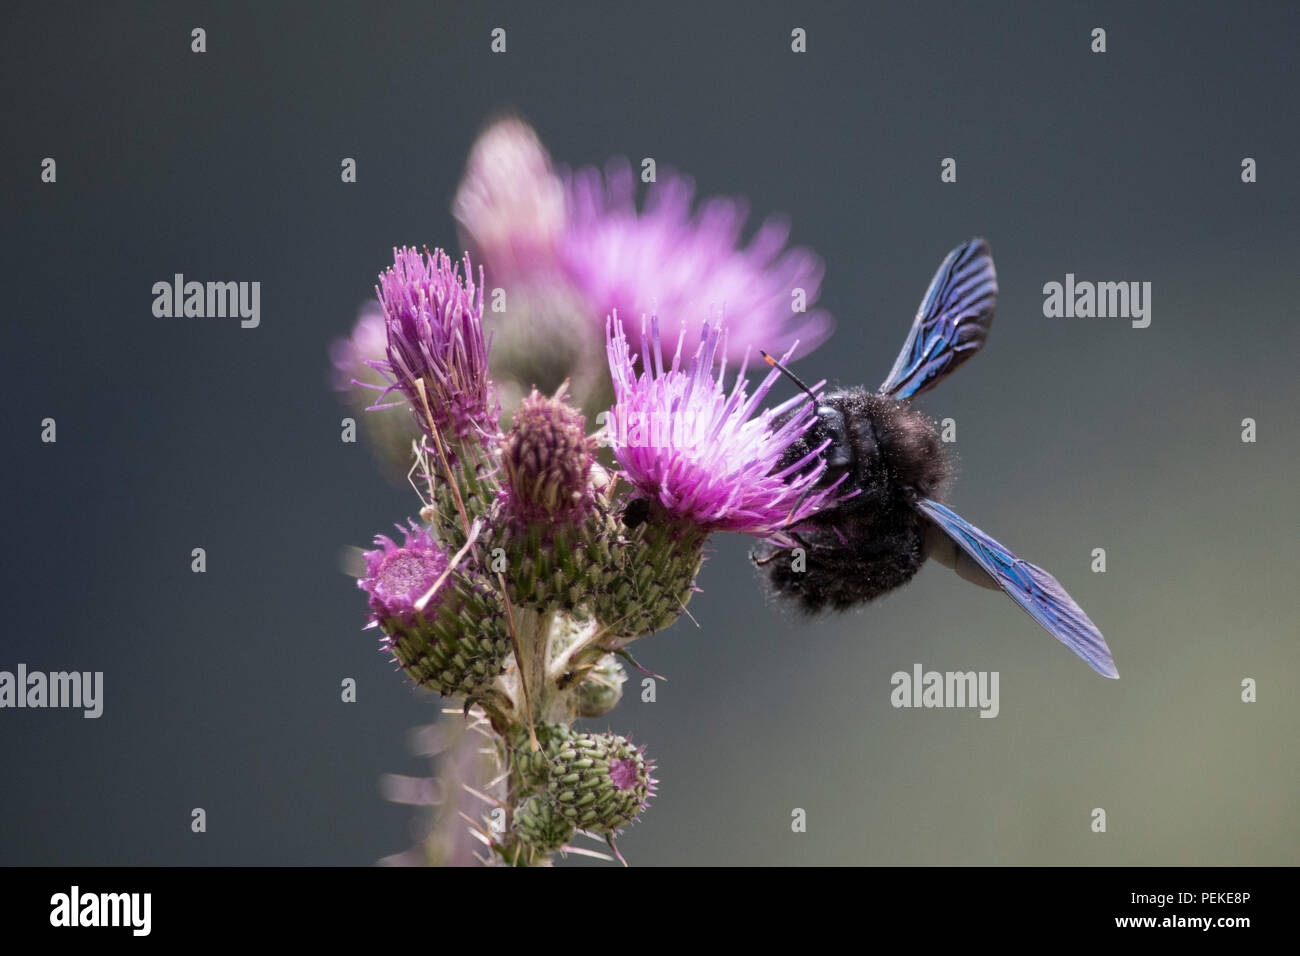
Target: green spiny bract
x=476, y=489
x=540, y=826
x=600, y=782
x=459, y=646
x=556, y=567
x=653, y=578
x=533, y=766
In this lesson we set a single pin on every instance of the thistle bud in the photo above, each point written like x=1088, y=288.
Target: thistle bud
x=600, y=782
x=553, y=527
x=540, y=826
x=547, y=459
x=446, y=630
x=534, y=766
x=602, y=688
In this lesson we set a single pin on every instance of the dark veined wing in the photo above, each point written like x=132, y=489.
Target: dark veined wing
x=951, y=324
x=1029, y=586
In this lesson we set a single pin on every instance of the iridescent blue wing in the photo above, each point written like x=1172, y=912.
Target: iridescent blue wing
x=1029, y=586
x=951, y=324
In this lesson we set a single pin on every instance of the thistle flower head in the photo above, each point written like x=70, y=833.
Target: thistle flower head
x=601, y=782
x=682, y=266
x=700, y=451
x=436, y=350
x=446, y=630
x=547, y=460
x=398, y=576
x=510, y=204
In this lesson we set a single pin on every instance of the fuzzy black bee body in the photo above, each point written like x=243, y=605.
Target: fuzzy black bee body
x=890, y=463
x=873, y=542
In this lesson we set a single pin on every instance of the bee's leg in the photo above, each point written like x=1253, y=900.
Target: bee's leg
x=806, y=492
x=807, y=546
x=777, y=552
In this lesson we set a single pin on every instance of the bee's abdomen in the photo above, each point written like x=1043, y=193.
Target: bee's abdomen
x=875, y=556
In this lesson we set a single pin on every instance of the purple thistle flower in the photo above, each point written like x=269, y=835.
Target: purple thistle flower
x=629, y=773
x=434, y=321
x=623, y=773
x=397, y=576
x=686, y=443
x=682, y=267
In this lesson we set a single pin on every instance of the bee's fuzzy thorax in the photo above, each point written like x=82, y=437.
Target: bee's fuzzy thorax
x=897, y=448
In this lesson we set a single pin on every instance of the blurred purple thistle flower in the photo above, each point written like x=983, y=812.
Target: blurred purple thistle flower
x=510, y=204
x=353, y=357
x=434, y=322
x=685, y=267
x=686, y=443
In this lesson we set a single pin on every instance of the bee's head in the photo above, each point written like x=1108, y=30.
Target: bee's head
x=841, y=438
x=830, y=428
x=840, y=454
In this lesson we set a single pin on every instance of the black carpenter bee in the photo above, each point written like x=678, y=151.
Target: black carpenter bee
x=890, y=454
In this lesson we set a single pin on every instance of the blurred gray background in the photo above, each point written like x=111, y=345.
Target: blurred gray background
x=222, y=690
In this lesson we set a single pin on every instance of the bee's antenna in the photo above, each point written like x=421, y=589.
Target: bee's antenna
x=788, y=374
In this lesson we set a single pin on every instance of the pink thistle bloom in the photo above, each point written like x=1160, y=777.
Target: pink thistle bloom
x=397, y=576
x=683, y=441
x=625, y=773
x=434, y=321
x=630, y=774
x=635, y=772
x=685, y=267
x=510, y=204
